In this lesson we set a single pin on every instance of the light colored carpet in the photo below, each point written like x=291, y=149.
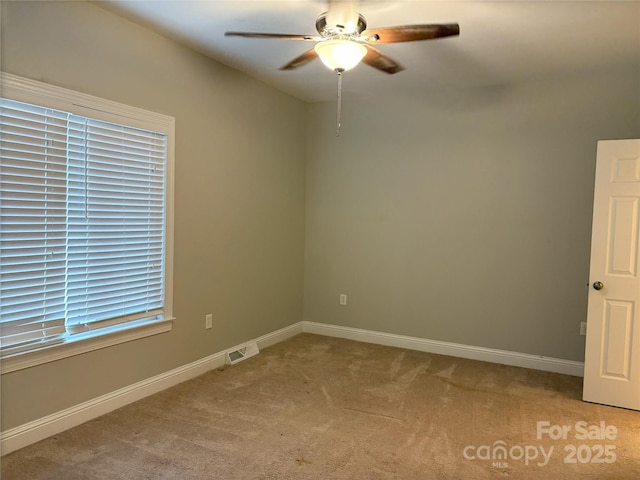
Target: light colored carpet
x=316, y=407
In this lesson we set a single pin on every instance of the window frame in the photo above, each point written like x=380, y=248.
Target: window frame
x=25, y=90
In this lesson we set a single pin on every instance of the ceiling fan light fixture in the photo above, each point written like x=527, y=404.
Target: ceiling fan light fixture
x=340, y=54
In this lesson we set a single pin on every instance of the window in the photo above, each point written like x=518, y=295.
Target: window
x=85, y=225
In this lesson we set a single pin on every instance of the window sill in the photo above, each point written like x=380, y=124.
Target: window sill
x=83, y=344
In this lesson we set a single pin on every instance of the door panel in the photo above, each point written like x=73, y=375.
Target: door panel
x=622, y=232
x=612, y=357
x=616, y=336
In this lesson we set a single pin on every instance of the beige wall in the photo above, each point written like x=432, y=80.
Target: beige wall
x=239, y=196
x=462, y=216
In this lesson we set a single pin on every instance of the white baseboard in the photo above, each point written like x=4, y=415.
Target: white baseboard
x=31, y=432
x=279, y=335
x=536, y=362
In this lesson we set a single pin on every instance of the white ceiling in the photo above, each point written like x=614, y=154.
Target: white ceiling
x=500, y=42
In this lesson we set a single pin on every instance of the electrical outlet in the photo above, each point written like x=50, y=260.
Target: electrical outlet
x=208, y=321
x=583, y=328
x=343, y=299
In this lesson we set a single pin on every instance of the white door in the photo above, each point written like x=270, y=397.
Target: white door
x=612, y=358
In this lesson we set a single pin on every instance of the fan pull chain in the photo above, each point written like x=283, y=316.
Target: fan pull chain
x=339, y=72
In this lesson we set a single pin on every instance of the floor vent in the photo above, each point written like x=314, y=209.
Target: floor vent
x=237, y=354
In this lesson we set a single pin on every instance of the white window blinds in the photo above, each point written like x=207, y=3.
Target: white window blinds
x=82, y=225
x=33, y=175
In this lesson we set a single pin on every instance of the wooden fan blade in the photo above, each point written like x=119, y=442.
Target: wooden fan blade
x=409, y=33
x=286, y=36
x=303, y=59
x=376, y=59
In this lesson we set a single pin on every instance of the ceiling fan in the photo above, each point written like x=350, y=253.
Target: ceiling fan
x=344, y=41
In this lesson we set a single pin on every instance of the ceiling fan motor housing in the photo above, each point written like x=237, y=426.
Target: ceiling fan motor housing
x=326, y=30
